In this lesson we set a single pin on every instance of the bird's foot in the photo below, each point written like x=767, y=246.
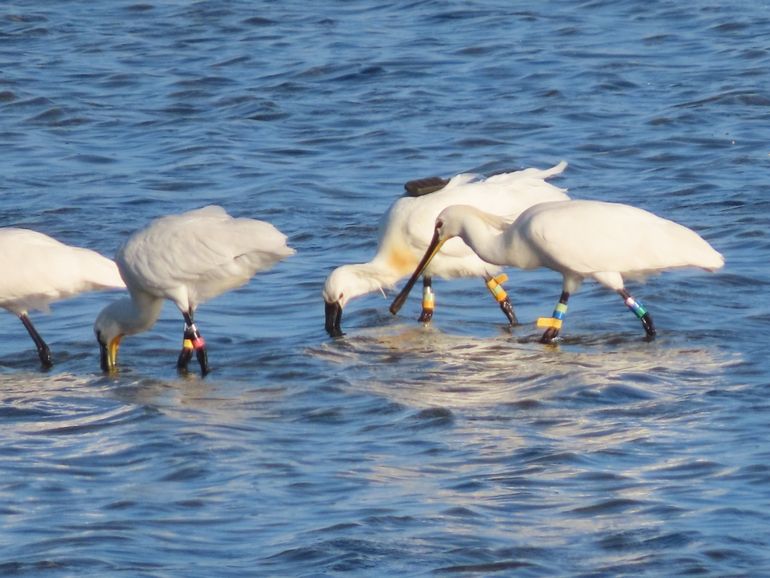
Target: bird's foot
x=193, y=342
x=507, y=309
x=641, y=313
x=199, y=347
x=426, y=316
x=186, y=355
x=550, y=335
x=649, y=328
x=184, y=359
x=203, y=359
x=552, y=326
x=46, y=360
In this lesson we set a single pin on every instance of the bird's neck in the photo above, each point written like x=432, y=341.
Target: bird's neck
x=374, y=276
x=139, y=313
x=489, y=242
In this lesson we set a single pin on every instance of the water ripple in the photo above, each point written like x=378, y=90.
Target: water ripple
x=466, y=447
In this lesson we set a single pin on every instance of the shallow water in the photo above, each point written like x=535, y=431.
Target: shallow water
x=464, y=448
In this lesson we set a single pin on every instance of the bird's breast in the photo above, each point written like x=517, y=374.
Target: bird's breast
x=402, y=260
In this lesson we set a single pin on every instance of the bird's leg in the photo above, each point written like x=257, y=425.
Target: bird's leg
x=640, y=311
x=187, y=349
x=193, y=341
x=495, y=286
x=428, y=300
x=42, y=349
x=553, y=323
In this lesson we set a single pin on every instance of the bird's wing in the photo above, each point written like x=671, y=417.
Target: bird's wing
x=206, y=250
x=407, y=228
x=509, y=194
x=96, y=271
x=592, y=236
x=418, y=229
x=506, y=195
x=38, y=270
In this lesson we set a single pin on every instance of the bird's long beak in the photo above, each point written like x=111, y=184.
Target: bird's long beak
x=433, y=248
x=108, y=354
x=334, y=319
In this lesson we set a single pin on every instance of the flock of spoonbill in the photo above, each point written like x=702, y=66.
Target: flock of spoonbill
x=405, y=233
x=462, y=227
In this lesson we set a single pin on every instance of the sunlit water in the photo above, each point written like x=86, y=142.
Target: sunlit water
x=464, y=448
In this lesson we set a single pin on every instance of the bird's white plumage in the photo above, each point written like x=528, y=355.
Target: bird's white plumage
x=605, y=241
x=39, y=270
x=188, y=258
x=195, y=256
x=405, y=230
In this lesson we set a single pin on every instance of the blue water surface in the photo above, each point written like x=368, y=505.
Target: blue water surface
x=463, y=448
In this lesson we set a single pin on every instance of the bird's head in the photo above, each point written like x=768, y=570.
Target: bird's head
x=109, y=331
x=460, y=220
x=447, y=225
x=342, y=285
x=335, y=296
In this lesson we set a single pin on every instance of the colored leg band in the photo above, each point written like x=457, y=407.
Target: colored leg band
x=428, y=300
x=549, y=322
x=187, y=344
x=556, y=319
x=636, y=307
x=198, y=342
x=495, y=287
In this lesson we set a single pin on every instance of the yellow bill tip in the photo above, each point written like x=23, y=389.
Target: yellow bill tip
x=112, y=352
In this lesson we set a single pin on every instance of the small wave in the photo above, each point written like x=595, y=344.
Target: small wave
x=737, y=97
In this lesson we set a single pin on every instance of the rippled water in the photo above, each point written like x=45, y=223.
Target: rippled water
x=463, y=448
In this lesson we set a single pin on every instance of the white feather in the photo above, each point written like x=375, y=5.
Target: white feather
x=406, y=229
x=39, y=270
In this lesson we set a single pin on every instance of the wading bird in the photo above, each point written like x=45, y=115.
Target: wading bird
x=405, y=234
x=187, y=258
x=579, y=239
x=38, y=270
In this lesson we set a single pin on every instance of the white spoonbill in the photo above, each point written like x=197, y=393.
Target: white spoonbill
x=187, y=258
x=405, y=234
x=604, y=241
x=38, y=270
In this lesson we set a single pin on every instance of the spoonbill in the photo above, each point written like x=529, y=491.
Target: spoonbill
x=188, y=259
x=579, y=239
x=405, y=234
x=38, y=270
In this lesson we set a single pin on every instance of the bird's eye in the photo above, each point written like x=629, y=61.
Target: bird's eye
x=439, y=223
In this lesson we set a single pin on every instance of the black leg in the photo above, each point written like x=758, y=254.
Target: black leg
x=42, y=349
x=553, y=323
x=495, y=286
x=203, y=358
x=640, y=311
x=187, y=349
x=428, y=300
x=193, y=341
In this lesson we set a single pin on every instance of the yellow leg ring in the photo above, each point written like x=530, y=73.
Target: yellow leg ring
x=187, y=344
x=428, y=301
x=549, y=322
x=495, y=287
